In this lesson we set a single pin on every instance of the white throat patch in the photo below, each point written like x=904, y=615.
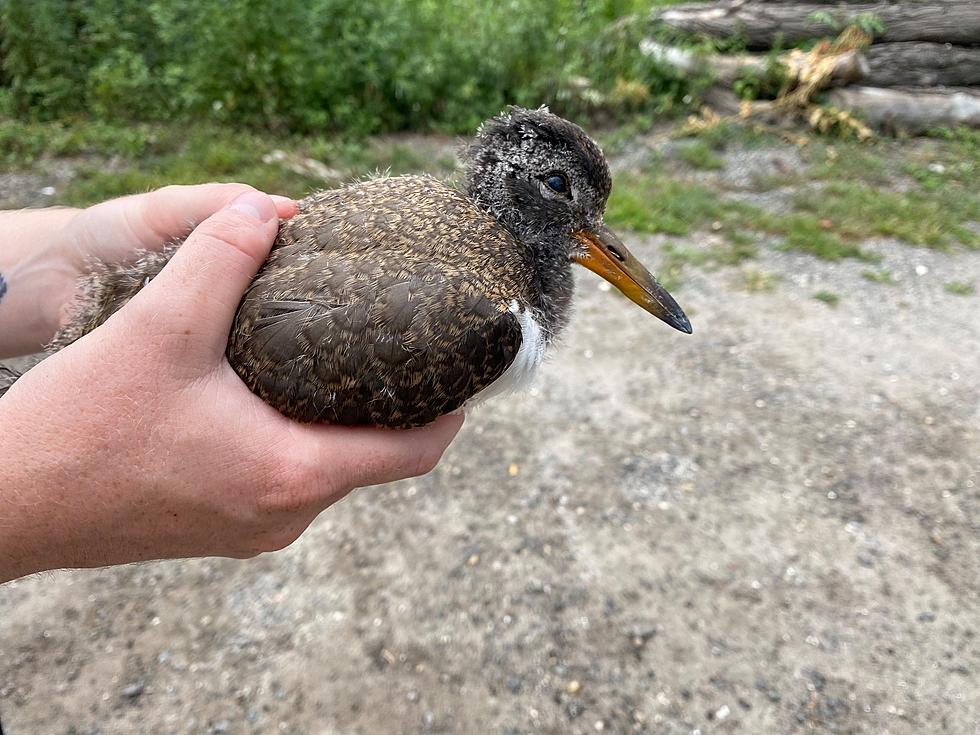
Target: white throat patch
x=519, y=374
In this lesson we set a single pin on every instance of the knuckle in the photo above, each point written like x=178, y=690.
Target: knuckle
x=297, y=481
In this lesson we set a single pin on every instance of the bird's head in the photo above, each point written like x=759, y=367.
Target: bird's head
x=548, y=182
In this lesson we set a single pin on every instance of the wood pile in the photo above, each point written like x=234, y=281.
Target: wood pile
x=899, y=66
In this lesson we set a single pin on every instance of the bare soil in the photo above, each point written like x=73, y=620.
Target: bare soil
x=771, y=526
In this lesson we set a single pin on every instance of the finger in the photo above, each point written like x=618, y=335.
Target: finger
x=286, y=208
x=371, y=456
x=113, y=229
x=203, y=283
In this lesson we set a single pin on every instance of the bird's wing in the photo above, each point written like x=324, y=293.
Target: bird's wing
x=382, y=340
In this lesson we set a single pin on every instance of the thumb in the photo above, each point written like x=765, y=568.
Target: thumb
x=203, y=283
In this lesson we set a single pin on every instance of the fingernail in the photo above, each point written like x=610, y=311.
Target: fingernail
x=255, y=204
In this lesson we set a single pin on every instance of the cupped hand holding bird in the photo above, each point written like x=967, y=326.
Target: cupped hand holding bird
x=139, y=441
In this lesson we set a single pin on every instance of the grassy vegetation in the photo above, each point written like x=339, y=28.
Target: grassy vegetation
x=112, y=160
x=700, y=155
x=924, y=195
x=654, y=202
x=857, y=211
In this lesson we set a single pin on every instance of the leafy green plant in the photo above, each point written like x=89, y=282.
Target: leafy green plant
x=765, y=83
x=869, y=22
x=327, y=65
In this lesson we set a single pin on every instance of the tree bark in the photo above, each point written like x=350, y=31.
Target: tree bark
x=762, y=23
x=913, y=110
x=922, y=65
x=726, y=68
x=904, y=64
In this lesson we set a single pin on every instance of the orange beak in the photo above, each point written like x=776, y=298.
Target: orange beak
x=607, y=256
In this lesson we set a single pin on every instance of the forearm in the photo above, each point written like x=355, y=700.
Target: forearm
x=36, y=275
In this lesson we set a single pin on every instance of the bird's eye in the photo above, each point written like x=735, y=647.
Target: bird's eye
x=557, y=183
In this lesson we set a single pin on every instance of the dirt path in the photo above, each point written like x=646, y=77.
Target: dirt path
x=771, y=526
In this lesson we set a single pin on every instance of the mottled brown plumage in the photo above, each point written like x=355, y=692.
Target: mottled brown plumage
x=396, y=300
x=371, y=310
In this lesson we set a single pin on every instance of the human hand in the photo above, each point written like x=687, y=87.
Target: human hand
x=139, y=441
x=43, y=253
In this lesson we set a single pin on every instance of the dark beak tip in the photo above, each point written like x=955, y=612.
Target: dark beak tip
x=681, y=323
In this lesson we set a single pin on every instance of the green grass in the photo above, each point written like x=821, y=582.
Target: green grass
x=932, y=219
x=879, y=276
x=699, y=155
x=652, y=202
x=960, y=288
x=827, y=297
x=805, y=233
x=113, y=160
x=725, y=135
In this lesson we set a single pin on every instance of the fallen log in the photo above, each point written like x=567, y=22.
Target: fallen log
x=913, y=110
x=725, y=69
x=922, y=65
x=760, y=24
x=902, y=64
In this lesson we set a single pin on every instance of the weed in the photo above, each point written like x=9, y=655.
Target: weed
x=880, y=276
x=960, y=288
x=756, y=281
x=700, y=156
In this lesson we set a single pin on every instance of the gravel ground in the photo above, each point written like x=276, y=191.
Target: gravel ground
x=770, y=526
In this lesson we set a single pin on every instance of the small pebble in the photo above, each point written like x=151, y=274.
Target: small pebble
x=134, y=690
x=573, y=687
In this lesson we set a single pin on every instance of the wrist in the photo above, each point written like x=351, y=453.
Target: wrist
x=39, y=268
x=42, y=525
x=25, y=546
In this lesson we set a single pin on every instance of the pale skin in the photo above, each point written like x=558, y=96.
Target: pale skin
x=139, y=441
